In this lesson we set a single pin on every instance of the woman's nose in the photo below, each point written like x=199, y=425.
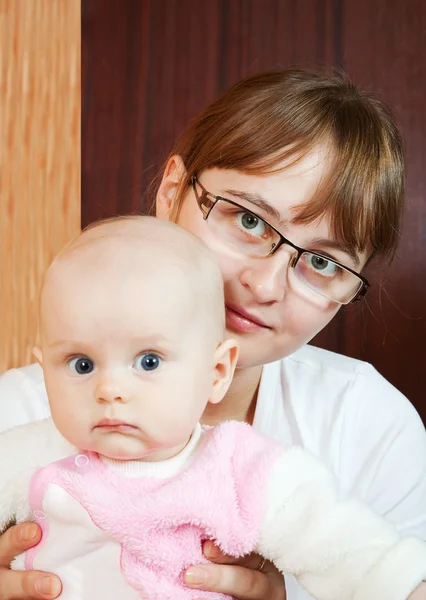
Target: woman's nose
x=266, y=278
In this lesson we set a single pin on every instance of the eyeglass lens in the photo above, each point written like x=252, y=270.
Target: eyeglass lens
x=253, y=236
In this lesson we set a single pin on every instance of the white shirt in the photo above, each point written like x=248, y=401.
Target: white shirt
x=340, y=409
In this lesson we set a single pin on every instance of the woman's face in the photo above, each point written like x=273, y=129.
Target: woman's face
x=269, y=311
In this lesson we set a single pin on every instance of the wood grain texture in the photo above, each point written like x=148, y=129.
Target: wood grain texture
x=39, y=157
x=151, y=65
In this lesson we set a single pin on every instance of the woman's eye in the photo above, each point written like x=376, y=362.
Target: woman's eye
x=322, y=265
x=147, y=362
x=81, y=365
x=249, y=222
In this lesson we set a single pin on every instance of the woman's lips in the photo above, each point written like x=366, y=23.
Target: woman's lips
x=240, y=320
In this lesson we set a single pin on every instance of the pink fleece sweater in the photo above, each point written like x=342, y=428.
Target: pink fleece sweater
x=111, y=535
x=161, y=524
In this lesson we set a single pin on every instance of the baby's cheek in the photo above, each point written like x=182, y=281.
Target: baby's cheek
x=73, y=424
x=176, y=430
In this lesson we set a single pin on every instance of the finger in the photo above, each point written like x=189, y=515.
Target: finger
x=236, y=581
x=16, y=540
x=28, y=585
x=214, y=553
x=16, y=585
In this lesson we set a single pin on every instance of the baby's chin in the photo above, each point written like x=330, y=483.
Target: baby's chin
x=121, y=447
x=113, y=446
x=127, y=448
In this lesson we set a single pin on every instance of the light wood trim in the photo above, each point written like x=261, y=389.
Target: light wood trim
x=39, y=157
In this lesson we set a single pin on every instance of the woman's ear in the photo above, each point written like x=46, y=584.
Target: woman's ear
x=226, y=357
x=173, y=174
x=38, y=355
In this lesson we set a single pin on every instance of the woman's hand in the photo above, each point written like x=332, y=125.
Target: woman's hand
x=240, y=579
x=24, y=585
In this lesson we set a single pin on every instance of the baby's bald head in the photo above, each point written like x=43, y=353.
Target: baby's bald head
x=132, y=327
x=114, y=263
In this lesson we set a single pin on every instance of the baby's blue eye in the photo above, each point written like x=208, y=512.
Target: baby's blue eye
x=81, y=365
x=147, y=362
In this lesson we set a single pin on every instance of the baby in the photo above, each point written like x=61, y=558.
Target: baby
x=125, y=482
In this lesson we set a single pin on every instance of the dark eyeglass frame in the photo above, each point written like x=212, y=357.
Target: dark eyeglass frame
x=206, y=202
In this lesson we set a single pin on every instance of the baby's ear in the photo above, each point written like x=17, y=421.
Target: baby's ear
x=226, y=357
x=38, y=354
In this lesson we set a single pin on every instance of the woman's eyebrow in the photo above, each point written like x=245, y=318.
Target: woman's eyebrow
x=332, y=244
x=260, y=202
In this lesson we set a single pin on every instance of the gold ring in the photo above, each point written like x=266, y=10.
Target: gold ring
x=261, y=564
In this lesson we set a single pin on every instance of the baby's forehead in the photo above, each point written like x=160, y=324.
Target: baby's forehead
x=120, y=298
x=118, y=269
x=133, y=265
x=126, y=270
x=138, y=244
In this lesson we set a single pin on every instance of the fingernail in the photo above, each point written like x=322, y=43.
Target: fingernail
x=210, y=550
x=196, y=576
x=28, y=532
x=48, y=586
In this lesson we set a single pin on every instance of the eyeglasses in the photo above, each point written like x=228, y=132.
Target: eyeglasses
x=252, y=235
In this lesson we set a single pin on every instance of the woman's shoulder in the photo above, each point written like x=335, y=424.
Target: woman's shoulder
x=313, y=359
x=22, y=396
x=357, y=423
x=313, y=375
x=318, y=395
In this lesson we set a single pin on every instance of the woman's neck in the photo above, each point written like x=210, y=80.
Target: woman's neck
x=240, y=402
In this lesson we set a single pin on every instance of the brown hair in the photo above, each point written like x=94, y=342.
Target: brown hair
x=283, y=115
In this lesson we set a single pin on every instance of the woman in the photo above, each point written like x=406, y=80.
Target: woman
x=295, y=180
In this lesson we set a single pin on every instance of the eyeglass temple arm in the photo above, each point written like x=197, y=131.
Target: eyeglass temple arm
x=361, y=293
x=204, y=202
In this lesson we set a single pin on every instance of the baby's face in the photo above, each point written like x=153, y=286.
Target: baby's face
x=128, y=368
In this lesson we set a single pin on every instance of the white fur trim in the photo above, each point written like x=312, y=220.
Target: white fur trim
x=333, y=547
x=23, y=450
x=401, y=570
